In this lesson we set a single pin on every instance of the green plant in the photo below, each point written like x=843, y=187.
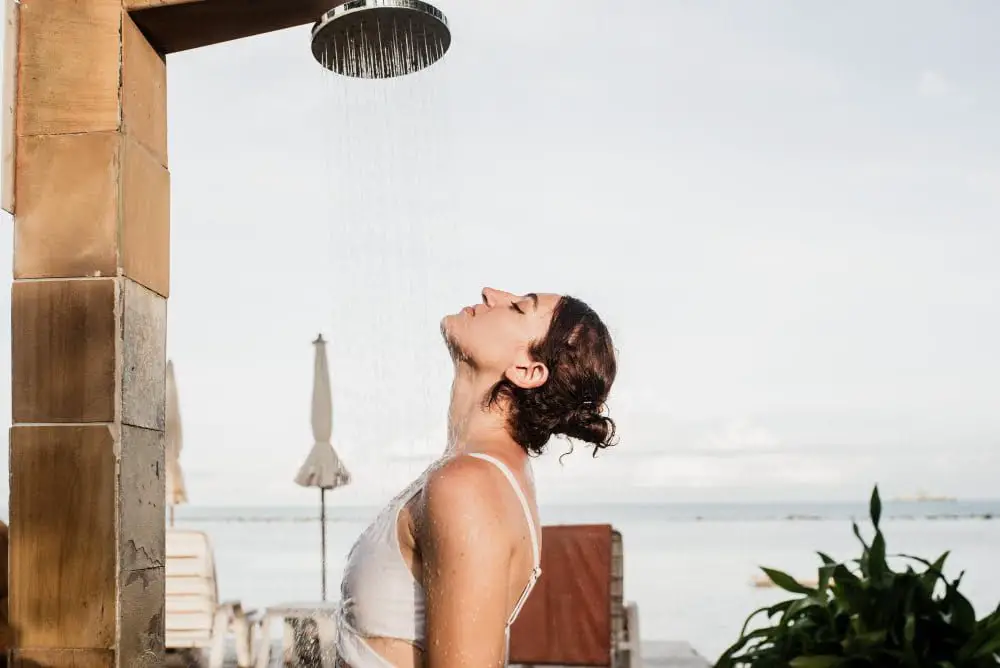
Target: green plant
x=867, y=614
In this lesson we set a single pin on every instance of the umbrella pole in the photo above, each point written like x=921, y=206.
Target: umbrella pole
x=322, y=532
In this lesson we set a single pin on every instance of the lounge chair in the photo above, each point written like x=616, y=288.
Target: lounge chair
x=577, y=615
x=196, y=622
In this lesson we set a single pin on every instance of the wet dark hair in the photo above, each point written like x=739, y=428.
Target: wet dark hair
x=580, y=356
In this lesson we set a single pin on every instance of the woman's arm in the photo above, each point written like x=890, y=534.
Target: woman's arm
x=466, y=557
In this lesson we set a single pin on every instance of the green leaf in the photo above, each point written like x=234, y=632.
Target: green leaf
x=863, y=561
x=787, y=582
x=877, y=566
x=822, y=661
x=857, y=533
x=988, y=649
x=727, y=658
x=753, y=614
x=935, y=572
x=963, y=616
x=823, y=578
x=779, y=607
x=827, y=560
x=797, y=607
x=875, y=507
x=871, y=639
x=848, y=589
x=910, y=630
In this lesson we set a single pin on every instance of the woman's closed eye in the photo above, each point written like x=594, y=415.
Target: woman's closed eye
x=516, y=307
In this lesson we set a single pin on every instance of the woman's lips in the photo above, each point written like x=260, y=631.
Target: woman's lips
x=471, y=311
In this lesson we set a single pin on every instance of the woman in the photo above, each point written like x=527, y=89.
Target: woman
x=440, y=575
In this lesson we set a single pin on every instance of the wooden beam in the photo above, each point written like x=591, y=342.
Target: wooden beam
x=179, y=25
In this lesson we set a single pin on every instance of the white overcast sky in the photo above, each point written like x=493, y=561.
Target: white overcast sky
x=789, y=214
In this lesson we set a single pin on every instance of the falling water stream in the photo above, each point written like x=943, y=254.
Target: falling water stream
x=386, y=164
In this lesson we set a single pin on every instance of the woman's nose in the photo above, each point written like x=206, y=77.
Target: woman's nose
x=489, y=296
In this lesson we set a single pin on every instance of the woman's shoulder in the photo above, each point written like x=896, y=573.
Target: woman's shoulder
x=462, y=477
x=466, y=491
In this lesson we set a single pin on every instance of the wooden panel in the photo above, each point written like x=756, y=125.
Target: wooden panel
x=63, y=350
x=62, y=553
x=63, y=658
x=144, y=91
x=145, y=227
x=567, y=619
x=68, y=206
x=7, y=161
x=70, y=67
x=175, y=27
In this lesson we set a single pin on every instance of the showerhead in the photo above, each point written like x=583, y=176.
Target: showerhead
x=379, y=39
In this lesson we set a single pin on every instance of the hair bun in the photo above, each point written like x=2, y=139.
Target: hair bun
x=588, y=423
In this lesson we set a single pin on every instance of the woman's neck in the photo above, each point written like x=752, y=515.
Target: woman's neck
x=471, y=424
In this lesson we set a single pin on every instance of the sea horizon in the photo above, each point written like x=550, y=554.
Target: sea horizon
x=599, y=512
x=608, y=512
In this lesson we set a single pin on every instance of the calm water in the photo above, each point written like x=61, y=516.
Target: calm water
x=690, y=576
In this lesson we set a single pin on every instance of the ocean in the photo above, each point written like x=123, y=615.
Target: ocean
x=688, y=566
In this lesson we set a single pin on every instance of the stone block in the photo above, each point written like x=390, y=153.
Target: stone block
x=144, y=356
x=62, y=557
x=63, y=350
x=67, y=206
x=142, y=618
x=70, y=60
x=145, y=227
x=144, y=91
x=140, y=506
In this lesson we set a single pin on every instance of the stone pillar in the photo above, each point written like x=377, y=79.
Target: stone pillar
x=88, y=320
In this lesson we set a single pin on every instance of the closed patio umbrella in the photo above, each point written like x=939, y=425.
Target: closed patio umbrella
x=322, y=468
x=176, y=492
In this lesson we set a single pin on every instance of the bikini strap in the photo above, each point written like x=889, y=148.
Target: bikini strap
x=535, y=550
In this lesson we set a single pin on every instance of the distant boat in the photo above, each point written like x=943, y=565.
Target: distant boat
x=923, y=497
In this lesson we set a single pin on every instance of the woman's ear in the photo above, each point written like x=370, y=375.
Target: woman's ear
x=527, y=375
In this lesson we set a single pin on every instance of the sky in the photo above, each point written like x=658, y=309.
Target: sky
x=789, y=220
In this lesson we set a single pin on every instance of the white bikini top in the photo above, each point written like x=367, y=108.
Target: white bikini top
x=380, y=598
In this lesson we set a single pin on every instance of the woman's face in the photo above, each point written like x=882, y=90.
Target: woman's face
x=496, y=335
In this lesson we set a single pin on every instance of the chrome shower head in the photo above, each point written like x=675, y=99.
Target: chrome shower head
x=379, y=39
